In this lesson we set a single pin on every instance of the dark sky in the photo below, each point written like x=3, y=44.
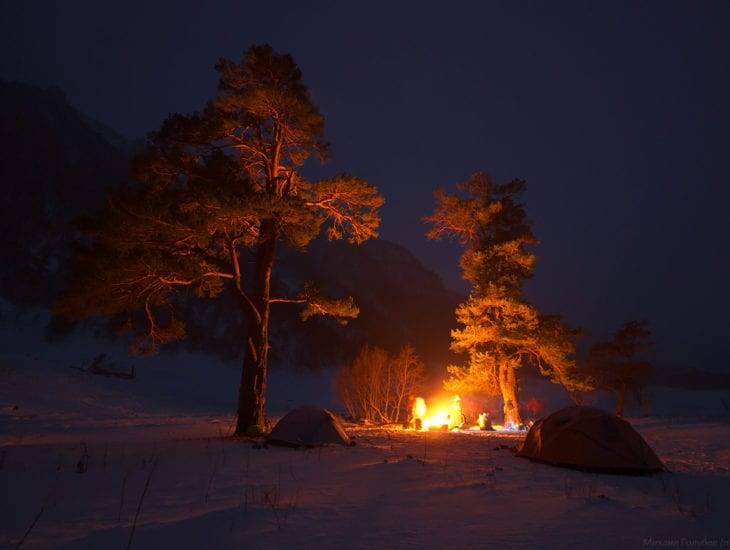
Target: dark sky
x=616, y=114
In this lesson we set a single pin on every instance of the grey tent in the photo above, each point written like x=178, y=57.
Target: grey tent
x=587, y=438
x=309, y=426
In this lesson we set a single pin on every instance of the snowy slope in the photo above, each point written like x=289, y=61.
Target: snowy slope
x=78, y=450
x=43, y=396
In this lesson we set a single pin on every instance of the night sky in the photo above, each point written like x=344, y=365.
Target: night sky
x=616, y=114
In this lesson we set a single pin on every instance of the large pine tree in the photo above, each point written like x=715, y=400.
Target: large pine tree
x=499, y=329
x=216, y=187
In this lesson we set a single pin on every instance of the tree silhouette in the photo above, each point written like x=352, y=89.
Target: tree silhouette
x=218, y=191
x=498, y=329
x=616, y=365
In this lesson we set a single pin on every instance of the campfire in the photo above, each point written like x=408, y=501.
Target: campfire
x=446, y=414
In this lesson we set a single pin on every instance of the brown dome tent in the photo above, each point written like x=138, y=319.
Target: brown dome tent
x=586, y=438
x=308, y=427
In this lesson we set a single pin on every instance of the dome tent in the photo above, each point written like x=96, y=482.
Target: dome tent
x=586, y=438
x=308, y=427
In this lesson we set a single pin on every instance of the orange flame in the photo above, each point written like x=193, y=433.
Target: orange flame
x=446, y=415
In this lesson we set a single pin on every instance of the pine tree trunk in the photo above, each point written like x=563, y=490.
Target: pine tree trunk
x=252, y=391
x=508, y=388
x=621, y=399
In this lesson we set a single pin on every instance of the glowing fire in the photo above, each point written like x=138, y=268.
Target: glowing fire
x=446, y=415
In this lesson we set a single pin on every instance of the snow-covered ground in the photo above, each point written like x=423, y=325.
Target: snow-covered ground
x=82, y=456
x=393, y=489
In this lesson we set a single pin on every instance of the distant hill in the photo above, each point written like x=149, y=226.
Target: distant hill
x=57, y=163
x=401, y=301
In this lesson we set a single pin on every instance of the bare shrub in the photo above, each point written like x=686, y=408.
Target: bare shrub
x=376, y=387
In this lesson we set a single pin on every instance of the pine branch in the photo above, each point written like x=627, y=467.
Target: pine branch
x=316, y=304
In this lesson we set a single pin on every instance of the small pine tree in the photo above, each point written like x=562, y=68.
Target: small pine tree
x=617, y=365
x=498, y=328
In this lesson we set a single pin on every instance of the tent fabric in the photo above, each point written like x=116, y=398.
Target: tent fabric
x=309, y=427
x=590, y=439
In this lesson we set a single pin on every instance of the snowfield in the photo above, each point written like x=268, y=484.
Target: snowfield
x=393, y=489
x=94, y=462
